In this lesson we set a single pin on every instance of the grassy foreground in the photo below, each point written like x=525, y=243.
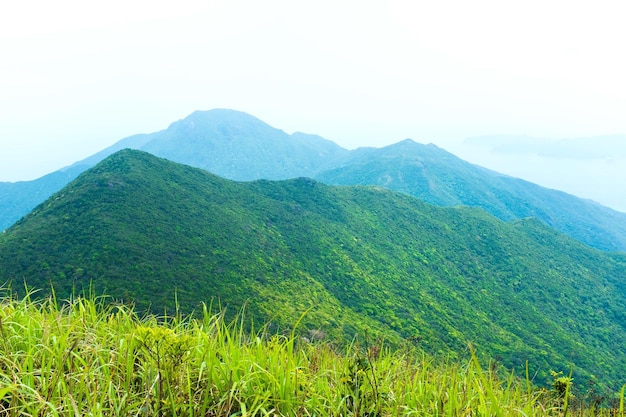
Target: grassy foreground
x=88, y=358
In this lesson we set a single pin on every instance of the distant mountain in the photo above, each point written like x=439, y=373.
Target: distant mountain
x=598, y=147
x=229, y=143
x=238, y=146
x=150, y=231
x=19, y=198
x=440, y=178
x=592, y=167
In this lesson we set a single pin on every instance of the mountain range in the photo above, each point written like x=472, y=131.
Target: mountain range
x=357, y=260
x=240, y=147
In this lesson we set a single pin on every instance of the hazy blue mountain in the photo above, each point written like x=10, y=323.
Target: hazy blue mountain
x=241, y=147
x=19, y=198
x=238, y=146
x=598, y=147
x=592, y=167
x=228, y=143
x=438, y=177
x=131, y=142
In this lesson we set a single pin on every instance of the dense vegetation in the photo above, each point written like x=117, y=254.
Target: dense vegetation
x=438, y=177
x=18, y=198
x=82, y=358
x=238, y=146
x=357, y=260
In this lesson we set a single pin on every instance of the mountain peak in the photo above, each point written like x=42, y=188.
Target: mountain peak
x=239, y=146
x=209, y=119
x=408, y=148
x=221, y=114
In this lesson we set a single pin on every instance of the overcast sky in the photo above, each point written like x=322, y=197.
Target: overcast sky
x=76, y=75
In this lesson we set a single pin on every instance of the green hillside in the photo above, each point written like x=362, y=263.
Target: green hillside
x=438, y=177
x=18, y=198
x=240, y=147
x=359, y=259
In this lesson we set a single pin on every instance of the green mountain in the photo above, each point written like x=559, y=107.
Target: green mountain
x=228, y=143
x=362, y=259
x=438, y=177
x=238, y=146
x=18, y=198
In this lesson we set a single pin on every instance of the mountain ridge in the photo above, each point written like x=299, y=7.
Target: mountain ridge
x=151, y=231
x=238, y=146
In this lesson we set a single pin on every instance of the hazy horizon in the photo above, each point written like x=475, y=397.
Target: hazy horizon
x=77, y=77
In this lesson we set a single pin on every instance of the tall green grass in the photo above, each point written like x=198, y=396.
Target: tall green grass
x=89, y=358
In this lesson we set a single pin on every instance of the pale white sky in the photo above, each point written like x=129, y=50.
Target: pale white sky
x=78, y=75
